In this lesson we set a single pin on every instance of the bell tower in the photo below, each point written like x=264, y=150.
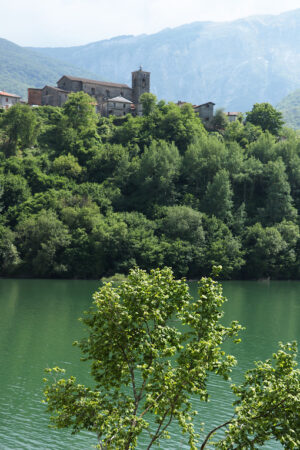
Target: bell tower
x=140, y=84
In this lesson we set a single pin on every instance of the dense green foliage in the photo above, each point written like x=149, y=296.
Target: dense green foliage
x=86, y=196
x=265, y=116
x=152, y=346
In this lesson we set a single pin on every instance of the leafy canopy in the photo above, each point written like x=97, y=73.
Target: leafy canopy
x=152, y=346
x=266, y=116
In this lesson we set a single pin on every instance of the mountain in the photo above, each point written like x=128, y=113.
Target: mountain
x=290, y=108
x=21, y=68
x=234, y=64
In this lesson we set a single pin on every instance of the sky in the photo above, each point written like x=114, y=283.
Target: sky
x=53, y=23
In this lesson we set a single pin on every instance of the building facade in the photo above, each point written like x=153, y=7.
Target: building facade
x=206, y=113
x=7, y=100
x=110, y=98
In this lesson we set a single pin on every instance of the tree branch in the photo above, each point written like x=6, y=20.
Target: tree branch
x=213, y=431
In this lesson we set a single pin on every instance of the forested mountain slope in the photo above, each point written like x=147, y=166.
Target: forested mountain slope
x=84, y=196
x=21, y=68
x=290, y=108
x=234, y=64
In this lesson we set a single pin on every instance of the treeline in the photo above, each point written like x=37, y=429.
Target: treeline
x=85, y=196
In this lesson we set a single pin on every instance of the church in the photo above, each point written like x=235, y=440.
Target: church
x=110, y=98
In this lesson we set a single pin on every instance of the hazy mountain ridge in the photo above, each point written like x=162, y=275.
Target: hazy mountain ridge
x=21, y=68
x=234, y=64
x=290, y=108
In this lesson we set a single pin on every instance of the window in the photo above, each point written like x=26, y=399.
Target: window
x=114, y=105
x=107, y=93
x=93, y=91
x=6, y=100
x=124, y=106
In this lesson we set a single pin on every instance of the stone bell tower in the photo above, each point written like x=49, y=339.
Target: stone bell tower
x=140, y=84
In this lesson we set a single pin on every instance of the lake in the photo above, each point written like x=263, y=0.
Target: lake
x=39, y=322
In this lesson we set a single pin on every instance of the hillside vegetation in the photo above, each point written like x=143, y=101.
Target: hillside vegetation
x=21, y=68
x=85, y=196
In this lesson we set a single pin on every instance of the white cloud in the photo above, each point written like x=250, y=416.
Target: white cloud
x=76, y=22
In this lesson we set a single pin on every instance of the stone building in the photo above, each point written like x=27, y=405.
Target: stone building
x=111, y=98
x=233, y=116
x=118, y=106
x=7, y=100
x=205, y=112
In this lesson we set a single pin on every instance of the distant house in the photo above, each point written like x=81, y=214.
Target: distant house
x=118, y=106
x=232, y=116
x=7, y=100
x=205, y=112
x=116, y=97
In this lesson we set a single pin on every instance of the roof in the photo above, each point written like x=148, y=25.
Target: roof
x=119, y=99
x=102, y=83
x=233, y=113
x=56, y=89
x=6, y=94
x=204, y=104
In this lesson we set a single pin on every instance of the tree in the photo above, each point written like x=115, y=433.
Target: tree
x=134, y=343
x=157, y=174
x=76, y=131
x=218, y=196
x=67, y=165
x=21, y=125
x=151, y=347
x=148, y=102
x=265, y=116
x=41, y=239
x=220, y=120
x=9, y=257
x=268, y=404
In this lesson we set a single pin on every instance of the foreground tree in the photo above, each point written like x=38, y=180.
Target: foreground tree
x=146, y=365
x=135, y=343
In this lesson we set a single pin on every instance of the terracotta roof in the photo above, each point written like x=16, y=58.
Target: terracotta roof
x=102, y=83
x=6, y=94
x=233, y=113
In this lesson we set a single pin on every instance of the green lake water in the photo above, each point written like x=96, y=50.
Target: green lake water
x=38, y=323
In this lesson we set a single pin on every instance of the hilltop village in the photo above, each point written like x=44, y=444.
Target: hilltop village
x=110, y=98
